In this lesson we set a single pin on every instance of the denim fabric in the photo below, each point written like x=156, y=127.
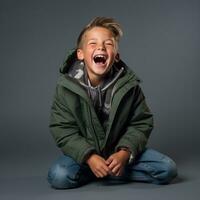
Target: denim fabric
x=151, y=167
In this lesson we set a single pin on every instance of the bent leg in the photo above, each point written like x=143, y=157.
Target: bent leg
x=66, y=173
x=153, y=167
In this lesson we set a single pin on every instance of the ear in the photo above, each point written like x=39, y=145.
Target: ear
x=79, y=53
x=117, y=57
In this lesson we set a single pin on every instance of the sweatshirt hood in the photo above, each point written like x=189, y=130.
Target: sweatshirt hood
x=71, y=63
x=100, y=95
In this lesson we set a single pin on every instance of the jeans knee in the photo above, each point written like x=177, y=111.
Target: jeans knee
x=60, y=177
x=168, y=172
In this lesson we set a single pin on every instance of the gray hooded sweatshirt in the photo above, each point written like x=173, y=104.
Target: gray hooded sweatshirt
x=101, y=94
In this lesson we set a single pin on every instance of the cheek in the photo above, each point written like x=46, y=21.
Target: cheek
x=113, y=55
x=112, y=51
x=89, y=52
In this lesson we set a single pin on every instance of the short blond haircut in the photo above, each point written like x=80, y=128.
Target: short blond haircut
x=108, y=23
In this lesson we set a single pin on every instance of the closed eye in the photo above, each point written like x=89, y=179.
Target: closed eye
x=109, y=43
x=92, y=42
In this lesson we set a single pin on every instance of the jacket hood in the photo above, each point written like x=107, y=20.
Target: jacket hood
x=101, y=95
x=71, y=59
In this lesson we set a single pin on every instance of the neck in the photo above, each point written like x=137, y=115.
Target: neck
x=95, y=80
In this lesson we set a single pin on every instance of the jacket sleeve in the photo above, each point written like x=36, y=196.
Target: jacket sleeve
x=139, y=126
x=65, y=130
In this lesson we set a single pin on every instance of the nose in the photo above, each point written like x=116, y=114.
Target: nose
x=101, y=47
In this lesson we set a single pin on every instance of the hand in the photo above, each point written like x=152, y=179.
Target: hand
x=117, y=161
x=98, y=166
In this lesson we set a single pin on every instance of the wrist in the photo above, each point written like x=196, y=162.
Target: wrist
x=124, y=154
x=89, y=155
x=130, y=157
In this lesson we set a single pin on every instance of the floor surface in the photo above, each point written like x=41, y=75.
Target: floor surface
x=22, y=186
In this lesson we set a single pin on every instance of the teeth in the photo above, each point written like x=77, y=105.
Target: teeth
x=100, y=56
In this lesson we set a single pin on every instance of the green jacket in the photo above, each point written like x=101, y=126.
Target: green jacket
x=77, y=130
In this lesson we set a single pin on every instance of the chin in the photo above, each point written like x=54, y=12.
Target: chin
x=101, y=72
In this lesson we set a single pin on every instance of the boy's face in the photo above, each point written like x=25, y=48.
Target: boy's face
x=99, y=51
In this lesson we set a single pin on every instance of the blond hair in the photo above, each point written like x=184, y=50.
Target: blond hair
x=108, y=23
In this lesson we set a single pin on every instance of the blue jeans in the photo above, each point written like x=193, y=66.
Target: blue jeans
x=151, y=167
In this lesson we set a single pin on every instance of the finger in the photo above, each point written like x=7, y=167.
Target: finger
x=102, y=170
x=116, y=169
x=109, y=160
x=106, y=170
x=98, y=174
x=119, y=173
x=112, y=164
x=95, y=172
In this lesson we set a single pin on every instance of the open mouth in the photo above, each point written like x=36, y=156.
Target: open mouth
x=100, y=59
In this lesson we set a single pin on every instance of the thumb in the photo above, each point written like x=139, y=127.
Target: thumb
x=109, y=160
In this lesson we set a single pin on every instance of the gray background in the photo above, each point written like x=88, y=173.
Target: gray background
x=160, y=43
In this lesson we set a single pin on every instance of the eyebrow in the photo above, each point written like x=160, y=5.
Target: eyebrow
x=97, y=39
x=92, y=39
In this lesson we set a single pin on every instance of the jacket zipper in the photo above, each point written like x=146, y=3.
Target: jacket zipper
x=93, y=129
x=112, y=94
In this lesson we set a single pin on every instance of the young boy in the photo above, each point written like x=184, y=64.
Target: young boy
x=99, y=117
